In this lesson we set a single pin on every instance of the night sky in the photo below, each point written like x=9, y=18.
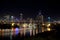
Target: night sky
x=30, y=8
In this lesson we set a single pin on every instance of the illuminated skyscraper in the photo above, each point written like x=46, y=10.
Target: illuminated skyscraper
x=40, y=18
x=7, y=17
x=49, y=19
x=21, y=16
x=40, y=21
x=12, y=18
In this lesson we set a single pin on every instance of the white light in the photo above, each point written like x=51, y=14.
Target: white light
x=18, y=24
x=25, y=25
x=30, y=26
x=12, y=17
x=13, y=24
x=48, y=25
x=48, y=29
x=43, y=24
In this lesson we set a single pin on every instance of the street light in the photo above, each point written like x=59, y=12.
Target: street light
x=48, y=25
x=13, y=24
x=25, y=25
x=48, y=29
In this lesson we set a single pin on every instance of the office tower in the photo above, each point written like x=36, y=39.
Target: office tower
x=21, y=16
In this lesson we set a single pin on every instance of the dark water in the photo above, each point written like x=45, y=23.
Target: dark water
x=41, y=36
x=52, y=35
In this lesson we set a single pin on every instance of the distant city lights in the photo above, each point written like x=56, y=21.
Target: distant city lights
x=25, y=25
x=13, y=24
x=48, y=29
x=16, y=31
x=28, y=25
x=48, y=25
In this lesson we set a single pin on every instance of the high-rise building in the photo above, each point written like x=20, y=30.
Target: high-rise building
x=40, y=18
x=21, y=16
x=40, y=21
x=7, y=17
x=12, y=18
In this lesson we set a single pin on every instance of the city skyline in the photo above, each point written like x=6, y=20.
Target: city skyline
x=29, y=20
x=30, y=8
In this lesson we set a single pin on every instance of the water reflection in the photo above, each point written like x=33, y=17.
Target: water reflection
x=16, y=31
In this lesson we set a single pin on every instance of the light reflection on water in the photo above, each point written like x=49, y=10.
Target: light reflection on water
x=16, y=31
